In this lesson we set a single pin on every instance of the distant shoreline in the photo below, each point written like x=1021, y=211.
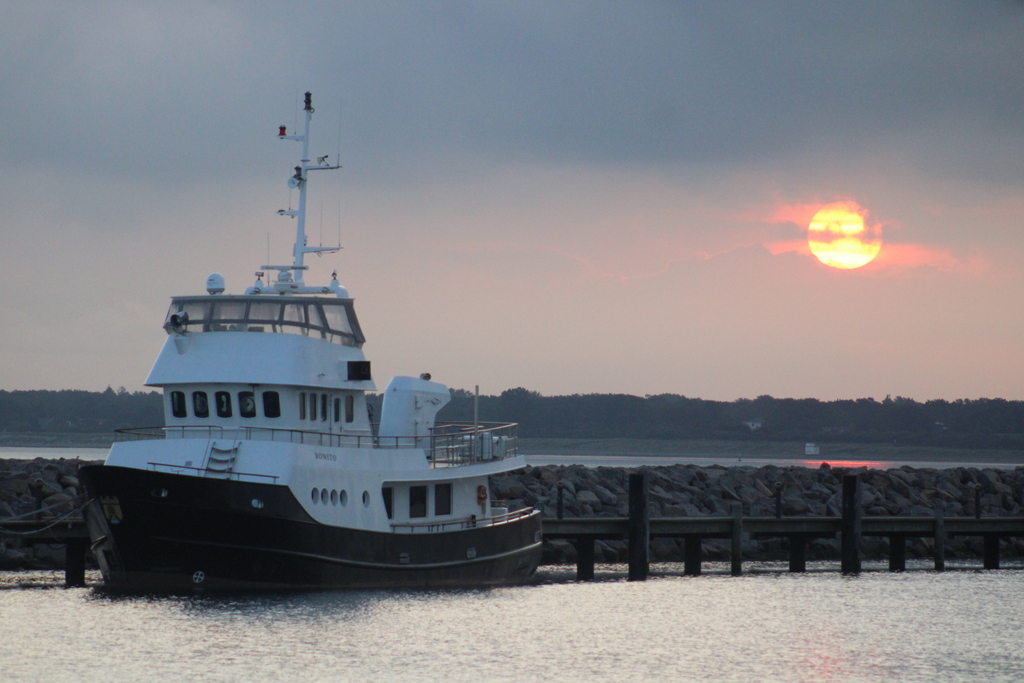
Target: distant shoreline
x=651, y=447
x=55, y=440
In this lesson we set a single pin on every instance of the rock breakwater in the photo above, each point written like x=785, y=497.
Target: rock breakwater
x=692, y=491
x=49, y=488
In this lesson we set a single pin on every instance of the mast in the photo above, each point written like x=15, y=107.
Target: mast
x=290, y=278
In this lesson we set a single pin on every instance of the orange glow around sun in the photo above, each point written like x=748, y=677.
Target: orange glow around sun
x=838, y=236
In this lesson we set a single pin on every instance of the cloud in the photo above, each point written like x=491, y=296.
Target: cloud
x=581, y=191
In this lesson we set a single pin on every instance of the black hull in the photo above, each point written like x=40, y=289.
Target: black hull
x=204, y=534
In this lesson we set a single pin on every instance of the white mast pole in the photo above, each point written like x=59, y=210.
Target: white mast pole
x=290, y=278
x=300, y=173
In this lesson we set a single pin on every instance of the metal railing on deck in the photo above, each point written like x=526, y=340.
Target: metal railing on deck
x=462, y=523
x=449, y=444
x=464, y=443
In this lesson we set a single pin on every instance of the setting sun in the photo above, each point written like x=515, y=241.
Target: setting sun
x=838, y=237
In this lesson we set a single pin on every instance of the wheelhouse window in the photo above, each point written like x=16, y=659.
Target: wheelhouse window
x=227, y=316
x=442, y=499
x=417, y=501
x=271, y=404
x=246, y=404
x=312, y=406
x=178, y=404
x=333, y=320
x=350, y=408
x=302, y=405
x=337, y=410
x=296, y=315
x=323, y=407
x=223, y=401
x=264, y=316
x=389, y=501
x=200, y=404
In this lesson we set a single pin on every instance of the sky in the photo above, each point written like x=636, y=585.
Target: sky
x=571, y=197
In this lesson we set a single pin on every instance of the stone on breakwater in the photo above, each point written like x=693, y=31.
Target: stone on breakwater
x=56, y=483
x=692, y=491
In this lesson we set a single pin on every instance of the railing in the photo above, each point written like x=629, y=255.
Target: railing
x=463, y=522
x=453, y=444
x=245, y=434
x=230, y=474
x=449, y=444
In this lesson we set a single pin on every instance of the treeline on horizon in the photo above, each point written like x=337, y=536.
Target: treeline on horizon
x=964, y=423
x=977, y=423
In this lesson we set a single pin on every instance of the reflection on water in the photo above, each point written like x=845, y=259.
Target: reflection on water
x=820, y=626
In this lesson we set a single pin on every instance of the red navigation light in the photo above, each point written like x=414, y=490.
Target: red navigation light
x=282, y=132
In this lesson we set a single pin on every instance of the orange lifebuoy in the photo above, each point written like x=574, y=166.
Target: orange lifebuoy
x=481, y=494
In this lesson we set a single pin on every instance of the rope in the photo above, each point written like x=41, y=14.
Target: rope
x=56, y=522
x=74, y=501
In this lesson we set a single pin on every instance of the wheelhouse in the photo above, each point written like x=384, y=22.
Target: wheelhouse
x=331, y=319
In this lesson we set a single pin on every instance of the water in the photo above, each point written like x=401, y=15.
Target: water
x=589, y=460
x=30, y=452
x=766, y=626
x=604, y=460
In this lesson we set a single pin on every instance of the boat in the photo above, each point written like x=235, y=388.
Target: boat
x=270, y=472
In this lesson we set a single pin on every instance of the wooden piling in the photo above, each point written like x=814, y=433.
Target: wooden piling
x=639, y=527
x=797, y=554
x=585, y=559
x=851, y=524
x=691, y=555
x=991, y=551
x=737, y=539
x=897, y=552
x=74, y=562
x=940, y=537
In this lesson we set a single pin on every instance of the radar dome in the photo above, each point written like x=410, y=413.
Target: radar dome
x=215, y=283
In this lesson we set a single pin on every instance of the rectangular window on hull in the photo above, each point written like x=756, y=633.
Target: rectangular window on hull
x=271, y=404
x=178, y=404
x=323, y=407
x=200, y=404
x=312, y=406
x=246, y=404
x=350, y=408
x=389, y=500
x=443, y=499
x=223, y=401
x=417, y=501
x=337, y=410
x=302, y=405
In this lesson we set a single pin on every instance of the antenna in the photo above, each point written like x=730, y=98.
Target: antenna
x=338, y=157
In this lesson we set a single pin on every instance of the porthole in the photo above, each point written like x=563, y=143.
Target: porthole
x=323, y=496
x=257, y=503
x=334, y=497
x=316, y=495
x=366, y=499
x=343, y=497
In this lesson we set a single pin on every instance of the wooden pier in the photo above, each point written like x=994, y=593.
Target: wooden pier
x=639, y=528
x=72, y=534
